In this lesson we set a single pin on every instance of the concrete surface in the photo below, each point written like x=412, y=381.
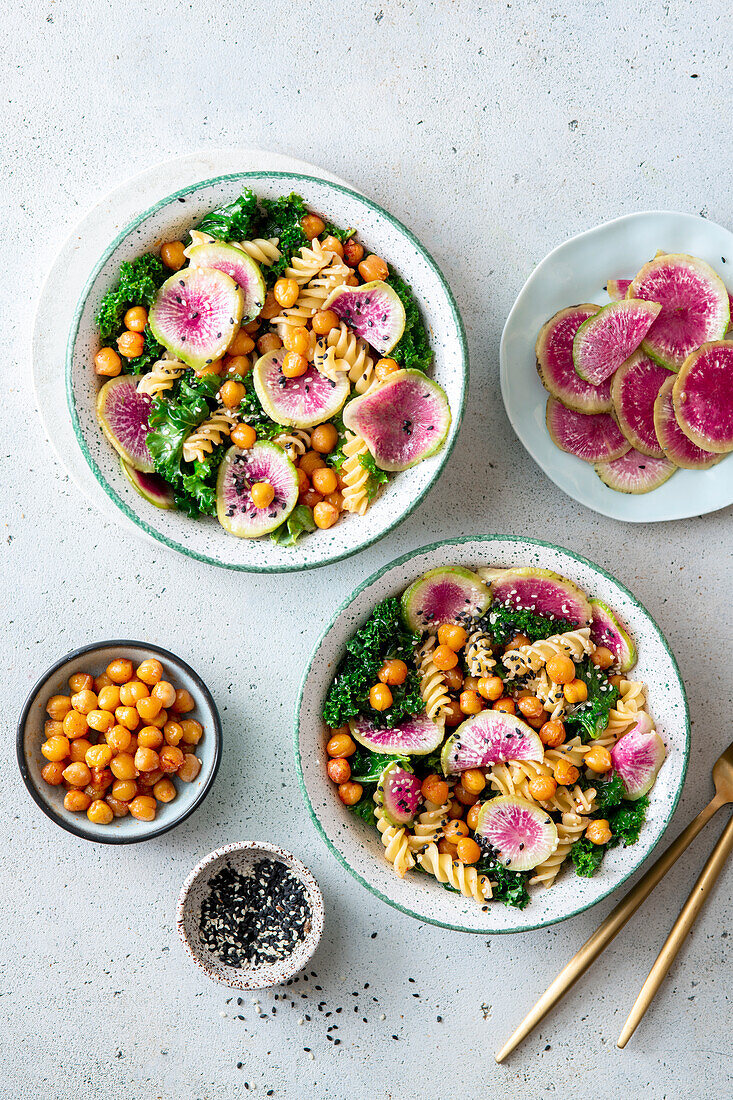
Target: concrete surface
x=495, y=131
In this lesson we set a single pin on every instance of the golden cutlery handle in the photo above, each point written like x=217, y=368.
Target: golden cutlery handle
x=610, y=927
x=680, y=928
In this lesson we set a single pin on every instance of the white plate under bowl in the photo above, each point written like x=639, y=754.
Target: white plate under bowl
x=358, y=847
x=205, y=539
x=577, y=271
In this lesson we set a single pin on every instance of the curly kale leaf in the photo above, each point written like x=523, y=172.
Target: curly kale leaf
x=252, y=413
x=332, y=230
x=281, y=218
x=511, y=886
x=231, y=222
x=377, y=477
x=172, y=418
x=152, y=351
x=298, y=522
x=383, y=635
x=367, y=766
x=587, y=857
x=591, y=717
x=625, y=821
x=609, y=792
x=502, y=622
x=413, y=348
x=137, y=286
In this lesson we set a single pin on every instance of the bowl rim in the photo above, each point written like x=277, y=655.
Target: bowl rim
x=456, y=415
x=458, y=541
x=49, y=811
x=315, y=900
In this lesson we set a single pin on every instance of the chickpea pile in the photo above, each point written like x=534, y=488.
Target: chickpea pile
x=320, y=486
x=116, y=741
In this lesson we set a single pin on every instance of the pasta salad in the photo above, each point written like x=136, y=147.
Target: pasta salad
x=486, y=724
x=267, y=370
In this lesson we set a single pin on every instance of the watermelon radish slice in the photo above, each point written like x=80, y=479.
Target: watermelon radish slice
x=635, y=473
x=403, y=421
x=196, y=314
x=416, y=736
x=634, y=389
x=605, y=629
x=638, y=756
x=235, y=263
x=675, y=444
x=703, y=397
x=616, y=288
x=301, y=402
x=373, y=311
x=693, y=301
x=152, y=487
x=123, y=417
x=398, y=793
x=554, y=352
x=239, y=471
x=489, y=738
x=449, y=594
x=521, y=834
x=603, y=341
x=542, y=591
x=591, y=436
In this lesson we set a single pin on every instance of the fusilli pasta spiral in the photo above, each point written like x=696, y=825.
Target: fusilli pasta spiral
x=530, y=658
x=209, y=434
x=429, y=826
x=396, y=844
x=549, y=693
x=477, y=653
x=569, y=829
x=295, y=442
x=161, y=377
x=631, y=701
x=263, y=250
x=306, y=263
x=461, y=876
x=355, y=476
x=340, y=351
x=433, y=686
x=311, y=298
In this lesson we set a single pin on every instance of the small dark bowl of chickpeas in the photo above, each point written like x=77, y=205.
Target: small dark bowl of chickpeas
x=119, y=742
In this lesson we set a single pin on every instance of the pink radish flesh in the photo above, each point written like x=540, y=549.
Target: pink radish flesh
x=554, y=353
x=675, y=444
x=634, y=390
x=638, y=756
x=592, y=437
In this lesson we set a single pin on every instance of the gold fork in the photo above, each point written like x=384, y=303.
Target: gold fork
x=617, y=918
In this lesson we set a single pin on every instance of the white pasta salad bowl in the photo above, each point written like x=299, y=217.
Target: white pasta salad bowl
x=358, y=846
x=204, y=538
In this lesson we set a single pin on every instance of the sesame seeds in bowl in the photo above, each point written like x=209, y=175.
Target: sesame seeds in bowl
x=250, y=915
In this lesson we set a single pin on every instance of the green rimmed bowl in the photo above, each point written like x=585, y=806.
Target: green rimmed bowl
x=204, y=539
x=358, y=847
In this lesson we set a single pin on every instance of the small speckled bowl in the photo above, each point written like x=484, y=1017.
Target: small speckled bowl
x=242, y=856
x=94, y=659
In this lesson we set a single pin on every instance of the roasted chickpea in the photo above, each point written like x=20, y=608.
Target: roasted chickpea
x=124, y=790
x=324, y=514
x=100, y=720
x=170, y=758
x=231, y=394
x=506, y=704
x=350, y=792
x=517, y=641
x=453, y=714
x=447, y=847
x=146, y=760
x=560, y=669
x=473, y=780
x=380, y=697
x=109, y=698
x=312, y=226
x=131, y=344
x=58, y=706
x=243, y=436
x=530, y=706
x=146, y=780
x=286, y=292
x=599, y=831
x=120, y=670
x=135, y=319
x=324, y=480
x=455, y=830
x=453, y=678
x=184, y=703
x=294, y=365
x=172, y=254
x=468, y=850
x=53, y=772
x=444, y=657
x=242, y=344
x=127, y=717
x=466, y=798
x=385, y=367
x=78, y=750
x=216, y=366
x=107, y=363
x=296, y=338
x=84, y=701
x=75, y=724
x=310, y=462
x=164, y=790
x=101, y=778
x=77, y=774
x=566, y=773
x=118, y=808
x=262, y=494
x=455, y=810
x=435, y=789
x=473, y=815
x=393, y=672
x=172, y=733
x=80, y=681
x=575, y=692
x=491, y=688
x=324, y=321
x=542, y=788
x=452, y=635
x=353, y=252
x=190, y=768
x=471, y=702
x=143, y=807
x=133, y=691
x=76, y=801
x=101, y=681
x=373, y=267
x=122, y=766
x=98, y=756
x=617, y=680
x=52, y=728
x=340, y=744
x=193, y=731
x=165, y=692
x=149, y=737
x=324, y=438
x=602, y=657
x=339, y=770
x=332, y=244
x=119, y=738
x=270, y=341
x=552, y=733
x=598, y=760
x=336, y=500
x=148, y=708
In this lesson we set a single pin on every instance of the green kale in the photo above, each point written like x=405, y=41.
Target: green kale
x=587, y=857
x=626, y=821
x=172, y=418
x=367, y=766
x=364, y=808
x=152, y=351
x=137, y=286
x=281, y=218
x=377, y=477
x=413, y=348
x=502, y=622
x=232, y=221
x=591, y=717
x=298, y=522
x=342, y=235
x=252, y=413
x=511, y=886
x=431, y=764
x=609, y=792
x=383, y=635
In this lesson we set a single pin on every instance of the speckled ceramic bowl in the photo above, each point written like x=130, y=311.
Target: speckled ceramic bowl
x=242, y=856
x=205, y=539
x=94, y=659
x=359, y=848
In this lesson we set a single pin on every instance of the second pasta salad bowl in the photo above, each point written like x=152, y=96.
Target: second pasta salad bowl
x=492, y=734
x=266, y=371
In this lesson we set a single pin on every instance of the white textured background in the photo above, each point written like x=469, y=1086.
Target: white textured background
x=494, y=131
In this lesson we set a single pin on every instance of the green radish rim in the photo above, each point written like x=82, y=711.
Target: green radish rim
x=448, y=543
x=182, y=548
